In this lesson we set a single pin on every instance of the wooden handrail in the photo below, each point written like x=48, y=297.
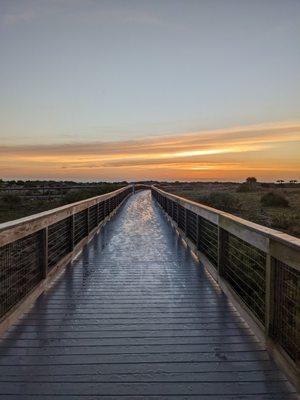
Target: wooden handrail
x=257, y=235
x=17, y=229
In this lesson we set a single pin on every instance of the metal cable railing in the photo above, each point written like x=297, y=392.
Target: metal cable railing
x=208, y=240
x=93, y=217
x=80, y=226
x=192, y=226
x=244, y=268
x=20, y=271
x=259, y=266
x=285, y=326
x=59, y=241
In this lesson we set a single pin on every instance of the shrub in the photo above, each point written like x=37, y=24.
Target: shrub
x=82, y=194
x=222, y=200
x=74, y=196
x=11, y=200
x=251, y=180
x=282, y=221
x=273, y=199
x=244, y=188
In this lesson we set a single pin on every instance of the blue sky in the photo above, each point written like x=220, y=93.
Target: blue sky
x=80, y=71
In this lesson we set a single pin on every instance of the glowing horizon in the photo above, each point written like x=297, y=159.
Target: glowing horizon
x=268, y=151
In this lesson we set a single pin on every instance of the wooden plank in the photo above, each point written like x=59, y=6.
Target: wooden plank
x=167, y=388
x=130, y=368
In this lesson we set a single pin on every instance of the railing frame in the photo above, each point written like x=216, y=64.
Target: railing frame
x=12, y=231
x=274, y=244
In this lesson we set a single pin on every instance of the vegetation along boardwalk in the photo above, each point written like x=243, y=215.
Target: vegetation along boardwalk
x=136, y=317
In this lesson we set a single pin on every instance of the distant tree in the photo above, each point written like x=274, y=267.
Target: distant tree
x=280, y=181
x=251, y=180
x=274, y=199
x=293, y=181
x=11, y=200
x=283, y=220
x=11, y=183
x=244, y=188
x=29, y=184
x=248, y=186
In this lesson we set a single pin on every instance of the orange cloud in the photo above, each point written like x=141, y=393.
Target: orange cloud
x=266, y=150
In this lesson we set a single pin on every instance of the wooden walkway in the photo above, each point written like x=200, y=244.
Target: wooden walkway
x=135, y=317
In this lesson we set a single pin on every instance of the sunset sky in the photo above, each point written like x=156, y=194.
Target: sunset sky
x=140, y=89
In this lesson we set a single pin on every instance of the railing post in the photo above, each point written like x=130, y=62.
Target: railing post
x=44, y=252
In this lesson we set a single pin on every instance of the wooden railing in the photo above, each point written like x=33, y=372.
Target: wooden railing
x=258, y=267
x=33, y=249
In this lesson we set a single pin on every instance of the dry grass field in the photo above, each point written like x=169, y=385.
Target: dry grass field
x=14, y=206
x=224, y=196
x=247, y=205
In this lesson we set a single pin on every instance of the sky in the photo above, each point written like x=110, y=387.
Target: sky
x=161, y=89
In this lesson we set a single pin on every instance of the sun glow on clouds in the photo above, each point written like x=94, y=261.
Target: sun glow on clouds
x=222, y=154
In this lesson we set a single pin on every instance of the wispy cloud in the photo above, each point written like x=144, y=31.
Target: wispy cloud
x=25, y=15
x=15, y=12
x=83, y=11
x=121, y=16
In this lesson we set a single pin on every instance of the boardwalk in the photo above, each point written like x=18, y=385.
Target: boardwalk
x=135, y=317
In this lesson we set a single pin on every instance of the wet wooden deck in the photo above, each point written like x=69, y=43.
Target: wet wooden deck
x=135, y=317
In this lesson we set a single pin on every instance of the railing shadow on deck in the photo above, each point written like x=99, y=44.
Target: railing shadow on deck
x=257, y=267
